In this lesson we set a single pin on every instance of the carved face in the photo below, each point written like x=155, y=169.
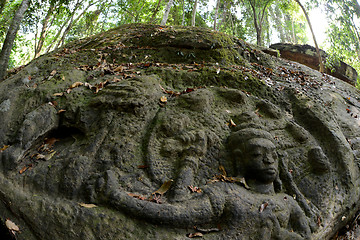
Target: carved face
x=260, y=160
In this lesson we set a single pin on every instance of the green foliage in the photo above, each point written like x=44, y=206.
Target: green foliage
x=344, y=32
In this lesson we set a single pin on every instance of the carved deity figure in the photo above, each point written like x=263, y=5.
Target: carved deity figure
x=253, y=212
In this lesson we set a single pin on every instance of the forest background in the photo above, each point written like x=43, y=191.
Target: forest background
x=44, y=25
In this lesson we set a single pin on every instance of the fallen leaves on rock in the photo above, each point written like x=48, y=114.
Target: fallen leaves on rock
x=25, y=168
x=263, y=206
x=194, y=189
x=164, y=187
x=348, y=110
x=224, y=178
x=58, y=94
x=75, y=85
x=155, y=196
x=87, y=205
x=44, y=152
x=318, y=222
x=137, y=196
x=163, y=99
x=4, y=148
x=13, y=228
x=194, y=235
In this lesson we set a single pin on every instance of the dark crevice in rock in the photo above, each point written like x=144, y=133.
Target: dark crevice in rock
x=5, y=233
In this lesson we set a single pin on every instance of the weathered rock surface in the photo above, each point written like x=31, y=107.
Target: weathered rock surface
x=306, y=54
x=109, y=119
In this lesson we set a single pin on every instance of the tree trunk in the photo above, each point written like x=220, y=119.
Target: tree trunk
x=276, y=15
x=194, y=14
x=166, y=13
x=70, y=18
x=2, y=5
x=39, y=45
x=294, y=40
x=10, y=37
x=224, y=15
x=356, y=7
x=183, y=13
x=216, y=13
x=322, y=69
x=256, y=25
x=259, y=17
x=155, y=12
x=72, y=22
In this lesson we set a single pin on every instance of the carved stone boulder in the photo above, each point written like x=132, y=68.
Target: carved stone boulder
x=154, y=132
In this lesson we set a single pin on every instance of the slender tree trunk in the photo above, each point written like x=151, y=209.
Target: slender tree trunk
x=42, y=36
x=322, y=69
x=58, y=33
x=73, y=22
x=224, y=15
x=2, y=5
x=70, y=18
x=216, y=13
x=256, y=25
x=258, y=18
x=136, y=18
x=166, y=13
x=183, y=13
x=10, y=37
x=155, y=12
x=294, y=40
x=194, y=14
x=276, y=15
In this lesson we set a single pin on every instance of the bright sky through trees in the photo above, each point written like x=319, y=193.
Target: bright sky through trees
x=320, y=25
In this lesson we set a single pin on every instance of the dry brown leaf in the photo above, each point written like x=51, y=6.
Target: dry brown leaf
x=87, y=205
x=116, y=79
x=137, y=196
x=40, y=156
x=263, y=207
x=11, y=225
x=197, y=234
x=49, y=156
x=51, y=104
x=195, y=189
x=76, y=84
x=164, y=188
x=4, y=148
x=54, y=103
x=88, y=85
x=119, y=69
x=243, y=182
x=51, y=141
x=58, y=94
x=163, y=99
x=25, y=168
x=222, y=170
x=231, y=123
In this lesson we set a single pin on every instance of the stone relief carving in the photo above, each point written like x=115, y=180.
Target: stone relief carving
x=243, y=209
